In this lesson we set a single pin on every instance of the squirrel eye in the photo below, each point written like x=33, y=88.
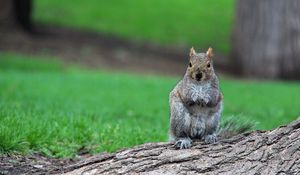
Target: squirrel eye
x=190, y=64
x=208, y=65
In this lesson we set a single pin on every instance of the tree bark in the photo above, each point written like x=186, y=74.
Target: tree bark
x=266, y=39
x=258, y=152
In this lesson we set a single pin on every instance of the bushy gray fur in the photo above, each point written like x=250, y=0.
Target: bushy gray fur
x=195, y=104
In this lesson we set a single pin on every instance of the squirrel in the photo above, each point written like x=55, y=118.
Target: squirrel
x=196, y=103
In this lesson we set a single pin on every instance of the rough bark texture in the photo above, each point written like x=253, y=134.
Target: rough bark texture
x=266, y=39
x=259, y=152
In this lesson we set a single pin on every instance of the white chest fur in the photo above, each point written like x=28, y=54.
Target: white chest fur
x=200, y=92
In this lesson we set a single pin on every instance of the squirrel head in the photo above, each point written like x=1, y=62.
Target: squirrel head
x=200, y=67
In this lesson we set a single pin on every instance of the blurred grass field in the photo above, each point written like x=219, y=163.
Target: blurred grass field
x=185, y=23
x=58, y=110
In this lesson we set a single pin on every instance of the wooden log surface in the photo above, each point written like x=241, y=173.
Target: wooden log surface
x=258, y=152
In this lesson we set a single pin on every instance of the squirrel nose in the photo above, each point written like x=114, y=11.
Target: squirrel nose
x=199, y=76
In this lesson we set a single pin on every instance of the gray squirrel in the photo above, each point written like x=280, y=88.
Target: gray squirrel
x=196, y=103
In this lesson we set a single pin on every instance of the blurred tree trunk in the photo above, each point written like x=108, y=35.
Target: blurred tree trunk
x=16, y=13
x=266, y=39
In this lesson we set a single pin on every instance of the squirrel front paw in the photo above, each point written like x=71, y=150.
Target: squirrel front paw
x=201, y=102
x=212, y=138
x=183, y=143
x=190, y=103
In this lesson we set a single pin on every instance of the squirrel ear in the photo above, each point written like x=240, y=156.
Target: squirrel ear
x=209, y=53
x=192, y=51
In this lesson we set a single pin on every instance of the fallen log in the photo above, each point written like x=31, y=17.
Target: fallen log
x=258, y=152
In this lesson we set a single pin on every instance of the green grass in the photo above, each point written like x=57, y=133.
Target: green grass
x=186, y=23
x=49, y=108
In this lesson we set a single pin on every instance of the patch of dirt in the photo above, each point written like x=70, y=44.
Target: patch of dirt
x=37, y=164
x=99, y=51
x=32, y=164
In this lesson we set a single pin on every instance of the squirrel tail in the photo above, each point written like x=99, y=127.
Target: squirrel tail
x=231, y=127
